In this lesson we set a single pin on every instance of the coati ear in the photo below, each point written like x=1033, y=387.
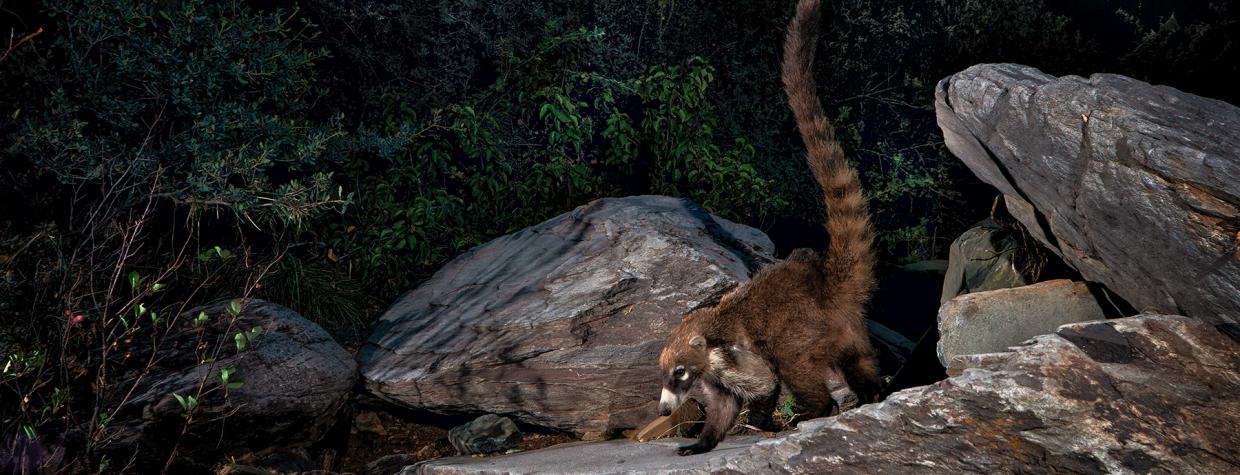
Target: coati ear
x=697, y=341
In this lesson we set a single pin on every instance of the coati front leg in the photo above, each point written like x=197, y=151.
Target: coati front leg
x=761, y=410
x=722, y=407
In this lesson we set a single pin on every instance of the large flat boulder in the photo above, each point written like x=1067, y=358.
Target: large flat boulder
x=991, y=321
x=1150, y=393
x=560, y=324
x=1136, y=186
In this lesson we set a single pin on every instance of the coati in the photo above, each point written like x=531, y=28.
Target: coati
x=797, y=320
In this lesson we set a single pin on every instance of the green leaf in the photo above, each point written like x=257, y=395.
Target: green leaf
x=234, y=308
x=188, y=403
x=135, y=280
x=241, y=341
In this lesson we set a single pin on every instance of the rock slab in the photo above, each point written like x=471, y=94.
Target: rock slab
x=487, y=434
x=991, y=321
x=1150, y=393
x=295, y=381
x=560, y=324
x=1134, y=185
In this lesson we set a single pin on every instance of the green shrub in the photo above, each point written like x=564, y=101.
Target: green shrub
x=138, y=137
x=209, y=96
x=550, y=134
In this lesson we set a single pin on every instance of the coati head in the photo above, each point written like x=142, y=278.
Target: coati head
x=683, y=361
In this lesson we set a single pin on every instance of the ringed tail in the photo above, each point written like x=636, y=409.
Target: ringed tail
x=849, y=260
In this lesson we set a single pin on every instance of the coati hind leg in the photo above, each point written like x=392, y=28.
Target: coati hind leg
x=761, y=410
x=722, y=407
x=860, y=370
x=809, y=384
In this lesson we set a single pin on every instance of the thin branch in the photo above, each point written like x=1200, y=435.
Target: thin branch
x=14, y=44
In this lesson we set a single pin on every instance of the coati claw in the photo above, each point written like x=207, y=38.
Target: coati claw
x=691, y=449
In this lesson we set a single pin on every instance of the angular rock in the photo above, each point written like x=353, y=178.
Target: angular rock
x=295, y=380
x=487, y=434
x=1134, y=185
x=560, y=324
x=991, y=321
x=987, y=257
x=1144, y=394
x=680, y=422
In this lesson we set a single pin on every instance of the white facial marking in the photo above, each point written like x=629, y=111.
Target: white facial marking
x=685, y=375
x=669, y=399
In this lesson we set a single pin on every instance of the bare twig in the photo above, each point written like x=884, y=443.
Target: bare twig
x=15, y=43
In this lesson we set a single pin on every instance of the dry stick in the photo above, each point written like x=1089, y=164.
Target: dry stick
x=14, y=45
x=159, y=339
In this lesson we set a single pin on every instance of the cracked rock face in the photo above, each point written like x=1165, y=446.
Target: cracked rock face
x=1150, y=393
x=560, y=324
x=1136, y=186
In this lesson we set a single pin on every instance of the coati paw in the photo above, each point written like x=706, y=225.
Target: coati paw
x=692, y=449
x=764, y=424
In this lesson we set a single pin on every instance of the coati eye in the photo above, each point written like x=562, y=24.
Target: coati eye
x=679, y=372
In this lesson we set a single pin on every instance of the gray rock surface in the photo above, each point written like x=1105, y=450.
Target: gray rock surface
x=1136, y=186
x=488, y=433
x=991, y=321
x=560, y=324
x=295, y=380
x=1150, y=393
x=390, y=464
x=987, y=257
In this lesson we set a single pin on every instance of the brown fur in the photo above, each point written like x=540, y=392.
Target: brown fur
x=797, y=320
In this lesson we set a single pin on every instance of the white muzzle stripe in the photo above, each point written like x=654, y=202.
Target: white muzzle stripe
x=669, y=399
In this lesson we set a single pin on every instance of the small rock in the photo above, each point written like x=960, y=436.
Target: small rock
x=992, y=321
x=678, y=424
x=988, y=256
x=369, y=422
x=487, y=434
x=427, y=452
